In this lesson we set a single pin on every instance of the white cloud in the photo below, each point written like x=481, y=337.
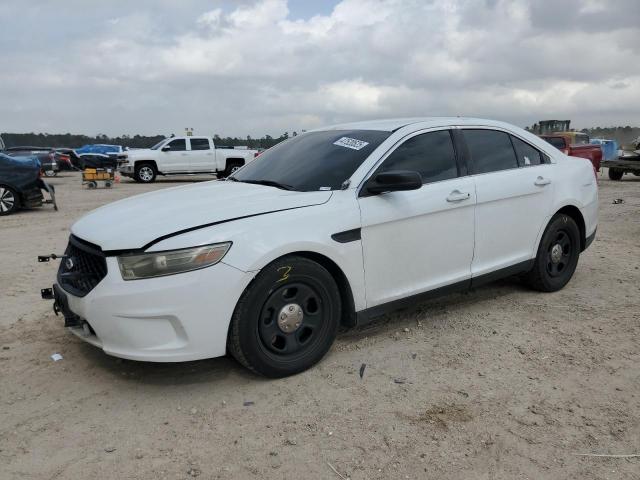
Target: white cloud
x=252, y=69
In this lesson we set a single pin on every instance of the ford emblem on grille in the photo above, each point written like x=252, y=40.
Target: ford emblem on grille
x=69, y=263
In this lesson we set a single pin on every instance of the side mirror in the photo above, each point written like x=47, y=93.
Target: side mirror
x=166, y=148
x=394, y=181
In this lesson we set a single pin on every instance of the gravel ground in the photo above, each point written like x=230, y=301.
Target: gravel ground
x=501, y=382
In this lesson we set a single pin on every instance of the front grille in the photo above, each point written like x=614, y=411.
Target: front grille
x=82, y=267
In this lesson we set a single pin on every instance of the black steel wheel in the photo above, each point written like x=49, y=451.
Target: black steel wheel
x=287, y=319
x=557, y=256
x=559, y=252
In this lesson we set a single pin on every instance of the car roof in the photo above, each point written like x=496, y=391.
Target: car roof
x=393, y=124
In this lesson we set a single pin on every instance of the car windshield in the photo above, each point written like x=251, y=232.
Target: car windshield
x=159, y=144
x=313, y=161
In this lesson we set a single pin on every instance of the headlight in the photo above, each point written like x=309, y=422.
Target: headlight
x=158, y=264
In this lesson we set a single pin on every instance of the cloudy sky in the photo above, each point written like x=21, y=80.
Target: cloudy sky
x=269, y=66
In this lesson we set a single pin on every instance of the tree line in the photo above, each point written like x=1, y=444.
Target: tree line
x=623, y=135
x=70, y=140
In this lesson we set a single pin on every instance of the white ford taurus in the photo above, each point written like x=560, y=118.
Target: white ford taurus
x=332, y=227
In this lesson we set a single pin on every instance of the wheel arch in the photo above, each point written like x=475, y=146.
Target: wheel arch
x=575, y=213
x=234, y=161
x=140, y=162
x=346, y=295
x=344, y=287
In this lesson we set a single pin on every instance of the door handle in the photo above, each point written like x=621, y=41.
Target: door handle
x=541, y=182
x=458, y=196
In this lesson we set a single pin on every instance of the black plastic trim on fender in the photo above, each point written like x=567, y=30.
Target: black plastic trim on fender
x=589, y=240
x=347, y=236
x=369, y=314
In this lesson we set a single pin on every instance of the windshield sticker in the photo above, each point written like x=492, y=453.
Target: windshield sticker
x=351, y=143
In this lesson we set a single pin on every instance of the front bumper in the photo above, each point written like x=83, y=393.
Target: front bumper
x=166, y=319
x=126, y=170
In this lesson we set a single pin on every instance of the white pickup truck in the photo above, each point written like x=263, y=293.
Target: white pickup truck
x=183, y=155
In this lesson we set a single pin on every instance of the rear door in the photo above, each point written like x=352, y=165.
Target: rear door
x=419, y=240
x=176, y=158
x=514, y=188
x=201, y=155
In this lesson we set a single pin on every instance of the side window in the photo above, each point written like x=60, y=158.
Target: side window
x=527, y=155
x=199, y=144
x=490, y=150
x=431, y=154
x=178, y=145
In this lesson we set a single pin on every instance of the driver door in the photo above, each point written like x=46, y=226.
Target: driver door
x=176, y=159
x=419, y=240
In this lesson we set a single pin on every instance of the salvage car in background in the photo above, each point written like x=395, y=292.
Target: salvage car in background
x=45, y=155
x=183, y=155
x=101, y=148
x=21, y=185
x=333, y=227
x=576, y=144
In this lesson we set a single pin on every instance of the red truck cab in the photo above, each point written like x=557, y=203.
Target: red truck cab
x=576, y=144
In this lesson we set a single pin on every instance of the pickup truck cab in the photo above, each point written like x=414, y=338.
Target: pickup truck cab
x=576, y=144
x=183, y=155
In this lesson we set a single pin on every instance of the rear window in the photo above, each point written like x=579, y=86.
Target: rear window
x=490, y=150
x=200, y=144
x=582, y=139
x=315, y=160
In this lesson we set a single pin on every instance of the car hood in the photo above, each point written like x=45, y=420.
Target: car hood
x=137, y=221
x=138, y=152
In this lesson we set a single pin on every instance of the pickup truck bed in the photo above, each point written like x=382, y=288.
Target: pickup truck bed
x=589, y=151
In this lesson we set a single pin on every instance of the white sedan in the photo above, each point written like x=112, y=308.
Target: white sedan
x=332, y=227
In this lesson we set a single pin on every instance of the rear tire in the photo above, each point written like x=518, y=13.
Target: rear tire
x=232, y=166
x=615, y=174
x=9, y=202
x=145, y=173
x=286, y=319
x=50, y=173
x=557, y=256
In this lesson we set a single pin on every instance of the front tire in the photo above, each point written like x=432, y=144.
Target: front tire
x=8, y=201
x=615, y=174
x=287, y=319
x=557, y=256
x=50, y=173
x=145, y=173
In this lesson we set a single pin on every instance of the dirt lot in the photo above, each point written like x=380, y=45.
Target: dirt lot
x=501, y=382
